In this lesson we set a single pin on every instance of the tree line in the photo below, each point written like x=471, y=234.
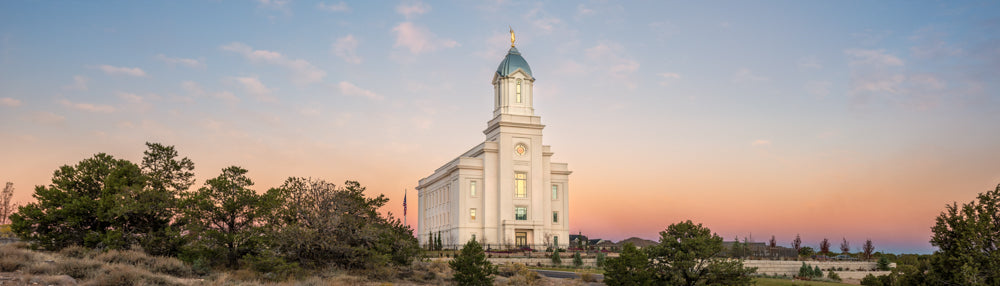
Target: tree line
x=108, y=203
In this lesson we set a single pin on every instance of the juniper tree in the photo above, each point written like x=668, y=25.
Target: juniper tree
x=471, y=266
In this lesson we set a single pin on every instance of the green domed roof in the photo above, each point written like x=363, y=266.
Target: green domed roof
x=512, y=62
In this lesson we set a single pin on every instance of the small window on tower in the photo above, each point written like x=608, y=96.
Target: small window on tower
x=472, y=188
x=518, y=90
x=472, y=214
x=555, y=192
x=555, y=217
x=521, y=213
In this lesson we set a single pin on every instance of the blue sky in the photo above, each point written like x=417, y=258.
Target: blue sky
x=843, y=112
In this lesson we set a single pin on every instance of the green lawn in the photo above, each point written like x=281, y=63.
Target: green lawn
x=787, y=282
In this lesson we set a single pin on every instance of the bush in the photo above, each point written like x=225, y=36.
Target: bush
x=600, y=259
x=155, y=264
x=577, y=260
x=883, y=263
x=42, y=269
x=75, y=251
x=588, y=277
x=510, y=269
x=833, y=276
x=11, y=264
x=273, y=268
x=556, y=260
x=78, y=268
x=871, y=280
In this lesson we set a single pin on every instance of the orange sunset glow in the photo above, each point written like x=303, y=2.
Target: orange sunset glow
x=825, y=120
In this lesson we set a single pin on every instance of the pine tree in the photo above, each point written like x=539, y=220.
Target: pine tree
x=437, y=242
x=577, y=260
x=556, y=260
x=471, y=266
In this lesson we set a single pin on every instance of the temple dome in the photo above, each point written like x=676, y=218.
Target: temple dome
x=512, y=62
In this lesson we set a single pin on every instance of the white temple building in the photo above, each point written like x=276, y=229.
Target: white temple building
x=505, y=191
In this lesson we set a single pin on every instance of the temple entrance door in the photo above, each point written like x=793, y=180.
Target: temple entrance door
x=521, y=239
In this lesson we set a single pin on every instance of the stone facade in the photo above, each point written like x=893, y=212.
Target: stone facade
x=505, y=191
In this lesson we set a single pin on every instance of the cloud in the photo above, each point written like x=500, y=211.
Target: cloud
x=541, y=20
x=582, y=10
x=346, y=48
x=744, y=75
x=874, y=73
x=663, y=30
x=113, y=70
x=872, y=57
x=130, y=97
x=46, y=117
x=253, y=86
x=931, y=44
x=79, y=83
x=135, y=102
x=818, y=88
x=88, y=107
x=668, y=78
x=348, y=88
x=274, y=4
x=609, y=58
x=226, y=96
x=192, y=88
x=180, y=61
x=195, y=90
x=414, y=8
x=12, y=102
x=339, y=7
x=810, y=62
x=761, y=142
x=419, y=39
x=304, y=72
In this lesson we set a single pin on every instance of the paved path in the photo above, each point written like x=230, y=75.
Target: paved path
x=564, y=274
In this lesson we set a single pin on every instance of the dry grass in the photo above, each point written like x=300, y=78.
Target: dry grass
x=156, y=264
x=13, y=259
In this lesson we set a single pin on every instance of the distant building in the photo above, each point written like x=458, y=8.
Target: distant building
x=638, y=242
x=505, y=190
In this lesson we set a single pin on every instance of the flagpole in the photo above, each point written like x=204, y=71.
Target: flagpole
x=405, y=222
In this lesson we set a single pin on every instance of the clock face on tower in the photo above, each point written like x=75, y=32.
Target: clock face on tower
x=520, y=149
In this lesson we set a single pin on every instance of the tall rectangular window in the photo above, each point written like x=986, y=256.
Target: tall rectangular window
x=472, y=188
x=555, y=192
x=555, y=241
x=472, y=214
x=520, y=185
x=521, y=213
x=555, y=217
x=518, y=90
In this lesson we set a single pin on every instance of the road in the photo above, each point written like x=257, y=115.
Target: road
x=564, y=274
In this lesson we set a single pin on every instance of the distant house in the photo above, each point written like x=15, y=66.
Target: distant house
x=579, y=241
x=638, y=242
x=605, y=245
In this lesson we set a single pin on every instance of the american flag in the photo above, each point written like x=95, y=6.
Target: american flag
x=404, y=202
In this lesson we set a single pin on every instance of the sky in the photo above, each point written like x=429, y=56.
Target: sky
x=834, y=119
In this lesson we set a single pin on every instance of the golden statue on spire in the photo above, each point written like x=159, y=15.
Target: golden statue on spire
x=512, y=39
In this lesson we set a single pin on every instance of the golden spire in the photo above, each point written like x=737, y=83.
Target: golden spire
x=511, y=36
